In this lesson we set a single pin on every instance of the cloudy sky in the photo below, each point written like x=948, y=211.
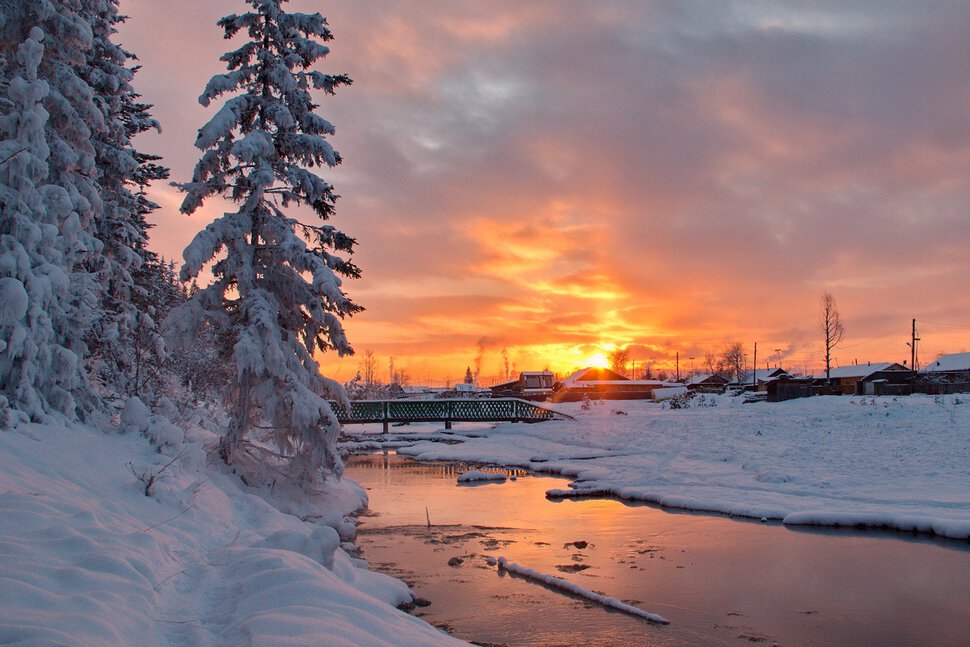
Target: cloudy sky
x=553, y=178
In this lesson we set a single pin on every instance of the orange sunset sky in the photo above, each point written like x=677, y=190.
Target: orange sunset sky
x=555, y=178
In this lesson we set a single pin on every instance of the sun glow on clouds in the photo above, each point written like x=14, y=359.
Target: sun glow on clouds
x=554, y=179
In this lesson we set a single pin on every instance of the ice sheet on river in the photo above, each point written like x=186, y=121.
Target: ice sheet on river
x=882, y=462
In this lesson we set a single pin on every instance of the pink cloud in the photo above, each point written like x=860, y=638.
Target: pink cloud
x=567, y=174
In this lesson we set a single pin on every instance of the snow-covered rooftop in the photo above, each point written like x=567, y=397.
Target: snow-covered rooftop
x=594, y=374
x=861, y=371
x=699, y=378
x=763, y=375
x=951, y=362
x=582, y=383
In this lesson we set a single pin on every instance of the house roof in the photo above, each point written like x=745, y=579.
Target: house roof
x=951, y=362
x=861, y=371
x=763, y=375
x=588, y=383
x=504, y=385
x=595, y=374
x=701, y=378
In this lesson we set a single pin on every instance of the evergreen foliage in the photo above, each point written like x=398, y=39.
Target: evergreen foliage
x=72, y=226
x=50, y=198
x=125, y=339
x=277, y=280
x=39, y=370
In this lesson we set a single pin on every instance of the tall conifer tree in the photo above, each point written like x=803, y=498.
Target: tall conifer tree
x=48, y=205
x=278, y=282
x=69, y=220
x=38, y=372
x=126, y=329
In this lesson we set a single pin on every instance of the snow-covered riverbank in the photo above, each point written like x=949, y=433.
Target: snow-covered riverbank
x=86, y=558
x=893, y=462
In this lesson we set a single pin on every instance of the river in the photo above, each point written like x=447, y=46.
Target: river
x=719, y=580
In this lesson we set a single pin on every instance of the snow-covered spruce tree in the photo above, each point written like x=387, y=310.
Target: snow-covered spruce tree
x=59, y=316
x=87, y=210
x=40, y=366
x=124, y=340
x=156, y=291
x=278, y=285
x=74, y=119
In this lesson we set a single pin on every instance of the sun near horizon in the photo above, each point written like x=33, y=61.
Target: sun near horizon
x=514, y=215
x=598, y=360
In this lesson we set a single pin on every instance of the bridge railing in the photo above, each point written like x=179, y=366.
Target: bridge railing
x=452, y=410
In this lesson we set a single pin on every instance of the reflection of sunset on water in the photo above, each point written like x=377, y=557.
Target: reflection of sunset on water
x=713, y=577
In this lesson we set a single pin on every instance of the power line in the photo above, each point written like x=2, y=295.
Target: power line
x=934, y=324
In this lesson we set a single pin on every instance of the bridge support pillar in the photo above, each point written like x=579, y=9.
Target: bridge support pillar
x=386, y=427
x=447, y=424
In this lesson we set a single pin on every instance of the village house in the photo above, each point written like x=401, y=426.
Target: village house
x=531, y=385
x=603, y=384
x=707, y=383
x=954, y=367
x=871, y=378
x=758, y=379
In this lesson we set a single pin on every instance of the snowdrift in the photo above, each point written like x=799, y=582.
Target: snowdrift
x=86, y=558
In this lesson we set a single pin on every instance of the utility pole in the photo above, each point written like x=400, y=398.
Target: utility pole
x=678, y=366
x=912, y=358
x=754, y=373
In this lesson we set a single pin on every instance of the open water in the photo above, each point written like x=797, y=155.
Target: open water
x=719, y=580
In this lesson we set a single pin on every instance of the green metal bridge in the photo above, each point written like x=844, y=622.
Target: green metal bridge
x=446, y=411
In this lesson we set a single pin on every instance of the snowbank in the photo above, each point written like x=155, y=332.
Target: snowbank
x=86, y=558
x=877, y=462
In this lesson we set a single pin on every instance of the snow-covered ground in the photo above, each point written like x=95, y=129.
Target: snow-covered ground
x=86, y=558
x=892, y=462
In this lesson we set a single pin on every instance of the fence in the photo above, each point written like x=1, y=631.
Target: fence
x=927, y=388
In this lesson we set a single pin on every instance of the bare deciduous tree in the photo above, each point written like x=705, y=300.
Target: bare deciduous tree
x=402, y=377
x=733, y=360
x=619, y=358
x=832, y=329
x=368, y=369
x=714, y=364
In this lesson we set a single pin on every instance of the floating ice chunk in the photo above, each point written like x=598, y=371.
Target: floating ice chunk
x=561, y=584
x=472, y=476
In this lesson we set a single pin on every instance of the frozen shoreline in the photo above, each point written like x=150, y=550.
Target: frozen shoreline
x=895, y=463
